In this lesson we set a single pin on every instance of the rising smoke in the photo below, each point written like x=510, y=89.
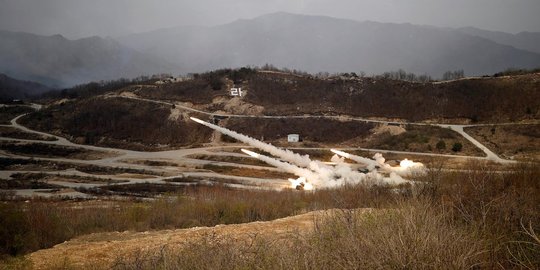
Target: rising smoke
x=314, y=173
x=406, y=167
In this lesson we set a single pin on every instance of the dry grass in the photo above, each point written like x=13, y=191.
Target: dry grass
x=473, y=219
x=521, y=142
x=415, y=235
x=454, y=220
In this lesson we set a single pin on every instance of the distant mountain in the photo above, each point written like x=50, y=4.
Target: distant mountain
x=57, y=61
x=15, y=89
x=529, y=41
x=317, y=43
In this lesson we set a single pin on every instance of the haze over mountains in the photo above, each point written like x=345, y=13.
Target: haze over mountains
x=529, y=41
x=59, y=62
x=309, y=43
x=317, y=43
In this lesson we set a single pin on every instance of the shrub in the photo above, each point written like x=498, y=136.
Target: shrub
x=457, y=147
x=441, y=145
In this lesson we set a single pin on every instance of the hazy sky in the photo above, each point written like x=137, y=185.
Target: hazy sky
x=81, y=18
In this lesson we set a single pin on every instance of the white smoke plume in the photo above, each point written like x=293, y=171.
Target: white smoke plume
x=326, y=177
x=311, y=173
x=371, y=164
x=284, y=154
x=287, y=167
x=406, y=167
x=300, y=160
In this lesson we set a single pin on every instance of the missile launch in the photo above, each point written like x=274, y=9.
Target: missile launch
x=316, y=174
x=302, y=161
x=371, y=164
x=287, y=167
x=406, y=167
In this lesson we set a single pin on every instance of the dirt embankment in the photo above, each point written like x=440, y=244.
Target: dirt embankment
x=103, y=249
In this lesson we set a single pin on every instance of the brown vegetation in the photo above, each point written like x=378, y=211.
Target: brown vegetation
x=147, y=162
x=9, y=112
x=10, y=132
x=248, y=172
x=140, y=125
x=493, y=99
x=325, y=132
x=314, y=130
x=422, y=139
x=201, y=89
x=416, y=235
x=231, y=159
x=521, y=142
x=16, y=164
x=49, y=150
x=118, y=122
x=457, y=220
x=472, y=218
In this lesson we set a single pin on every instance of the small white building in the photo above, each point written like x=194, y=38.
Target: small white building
x=293, y=138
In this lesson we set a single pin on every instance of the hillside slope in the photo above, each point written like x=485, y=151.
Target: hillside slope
x=11, y=88
x=118, y=122
x=127, y=118
x=500, y=99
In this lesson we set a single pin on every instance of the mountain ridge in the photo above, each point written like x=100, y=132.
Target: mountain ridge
x=529, y=41
x=322, y=43
x=60, y=62
x=303, y=42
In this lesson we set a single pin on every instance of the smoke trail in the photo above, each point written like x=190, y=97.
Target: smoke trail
x=310, y=172
x=340, y=175
x=287, y=167
x=325, y=178
x=406, y=167
x=322, y=169
x=287, y=155
x=369, y=162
